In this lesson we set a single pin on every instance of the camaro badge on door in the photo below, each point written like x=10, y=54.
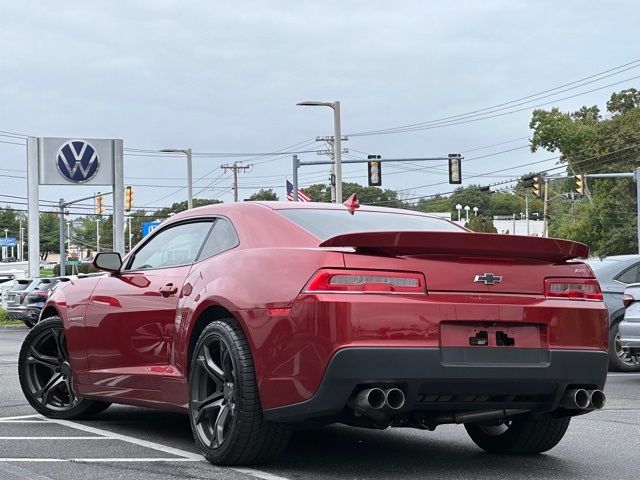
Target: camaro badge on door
x=488, y=279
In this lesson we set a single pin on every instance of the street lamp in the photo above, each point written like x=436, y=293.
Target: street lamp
x=466, y=209
x=459, y=208
x=475, y=211
x=337, y=140
x=187, y=152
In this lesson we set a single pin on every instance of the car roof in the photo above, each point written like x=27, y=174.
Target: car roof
x=222, y=208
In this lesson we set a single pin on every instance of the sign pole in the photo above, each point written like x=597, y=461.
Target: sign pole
x=63, y=255
x=118, y=198
x=33, y=219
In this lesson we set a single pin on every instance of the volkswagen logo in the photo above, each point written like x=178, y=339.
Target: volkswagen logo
x=77, y=161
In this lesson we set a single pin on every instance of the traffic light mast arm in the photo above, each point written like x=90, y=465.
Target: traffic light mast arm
x=66, y=204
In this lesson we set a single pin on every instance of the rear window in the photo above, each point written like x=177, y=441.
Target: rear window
x=46, y=284
x=20, y=285
x=329, y=223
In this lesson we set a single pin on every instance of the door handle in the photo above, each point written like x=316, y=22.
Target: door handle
x=168, y=289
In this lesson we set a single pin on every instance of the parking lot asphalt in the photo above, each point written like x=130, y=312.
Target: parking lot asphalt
x=135, y=443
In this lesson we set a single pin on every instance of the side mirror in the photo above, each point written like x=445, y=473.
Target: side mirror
x=108, y=261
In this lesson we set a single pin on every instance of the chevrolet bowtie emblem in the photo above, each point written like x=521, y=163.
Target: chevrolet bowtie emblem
x=488, y=279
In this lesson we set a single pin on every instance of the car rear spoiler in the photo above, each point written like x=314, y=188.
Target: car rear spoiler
x=460, y=243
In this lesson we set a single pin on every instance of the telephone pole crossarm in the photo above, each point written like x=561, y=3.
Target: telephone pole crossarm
x=235, y=168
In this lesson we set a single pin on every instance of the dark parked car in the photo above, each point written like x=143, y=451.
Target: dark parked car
x=614, y=274
x=16, y=299
x=35, y=300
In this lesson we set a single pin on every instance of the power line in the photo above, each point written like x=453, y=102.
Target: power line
x=455, y=119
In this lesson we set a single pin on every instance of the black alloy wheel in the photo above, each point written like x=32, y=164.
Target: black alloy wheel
x=45, y=374
x=224, y=404
x=213, y=391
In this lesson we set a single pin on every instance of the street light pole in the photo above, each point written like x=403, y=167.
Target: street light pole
x=337, y=140
x=188, y=153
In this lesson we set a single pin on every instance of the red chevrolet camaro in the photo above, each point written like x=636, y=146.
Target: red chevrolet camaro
x=254, y=318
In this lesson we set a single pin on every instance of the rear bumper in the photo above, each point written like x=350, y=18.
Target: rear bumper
x=630, y=336
x=452, y=378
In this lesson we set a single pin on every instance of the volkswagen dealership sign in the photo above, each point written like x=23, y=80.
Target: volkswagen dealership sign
x=69, y=161
x=73, y=162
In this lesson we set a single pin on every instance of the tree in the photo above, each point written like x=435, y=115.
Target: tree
x=366, y=195
x=49, y=234
x=589, y=143
x=265, y=195
x=434, y=204
x=481, y=224
x=182, y=206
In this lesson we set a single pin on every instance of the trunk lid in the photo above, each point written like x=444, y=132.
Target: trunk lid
x=467, y=262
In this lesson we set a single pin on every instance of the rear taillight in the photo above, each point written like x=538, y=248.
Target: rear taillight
x=573, y=288
x=627, y=300
x=366, y=281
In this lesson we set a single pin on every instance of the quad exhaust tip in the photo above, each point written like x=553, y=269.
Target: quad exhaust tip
x=395, y=398
x=598, y=399
x=582, y=399
x=576, y=398
x=368, y=399
x=377, y=398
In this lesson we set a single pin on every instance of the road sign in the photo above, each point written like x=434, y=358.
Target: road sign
x=73, y=262
x=8, y=242
x=148, y=227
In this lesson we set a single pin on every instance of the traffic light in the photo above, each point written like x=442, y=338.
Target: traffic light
x=537, y=187
x=128, y=199
x=527, y=181
x=580, y=184
x=99, y=204
x=455, y=169
x=374, y=168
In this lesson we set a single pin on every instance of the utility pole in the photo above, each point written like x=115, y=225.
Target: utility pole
x=526, y=210
x=235, y=168
x=545, y=225
x=97, y=235
x=130, y=232
x=21, y=248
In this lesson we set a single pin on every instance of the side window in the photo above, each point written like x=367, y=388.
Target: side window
x=222, y=237
x=174, y=246
x=630, y=275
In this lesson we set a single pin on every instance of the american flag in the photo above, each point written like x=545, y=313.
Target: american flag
x=302, y=197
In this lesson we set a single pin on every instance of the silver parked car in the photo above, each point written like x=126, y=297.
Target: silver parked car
x=16, y=299
x=629, y=328
x=614, y=274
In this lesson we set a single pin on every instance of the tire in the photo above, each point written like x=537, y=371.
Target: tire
x=618, y=360
x=44, y=361
x=224, y=404
x=519, y=436
x=28, y=323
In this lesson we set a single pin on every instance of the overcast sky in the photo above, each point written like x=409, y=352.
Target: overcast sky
x=225, y=77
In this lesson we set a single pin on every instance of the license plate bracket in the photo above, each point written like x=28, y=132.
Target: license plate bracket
x=492, y=334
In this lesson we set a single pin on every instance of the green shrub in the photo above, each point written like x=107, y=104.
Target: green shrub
x=82, y=268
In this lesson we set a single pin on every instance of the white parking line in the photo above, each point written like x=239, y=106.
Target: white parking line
x=179, y=455
x=20, y=417
x=56, y=438
x=94, y=460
